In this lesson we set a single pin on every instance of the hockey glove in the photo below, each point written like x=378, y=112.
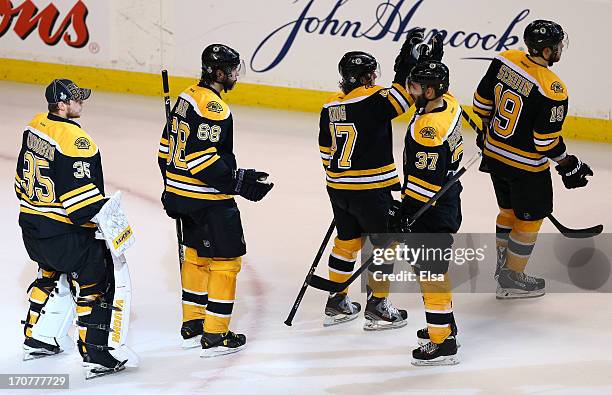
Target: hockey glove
x=574, y=172
x=406, y=60
x=437, y=47
x=395, y=217
x=250, y=184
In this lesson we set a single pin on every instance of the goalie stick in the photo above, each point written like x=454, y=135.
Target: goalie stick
x=580, y=233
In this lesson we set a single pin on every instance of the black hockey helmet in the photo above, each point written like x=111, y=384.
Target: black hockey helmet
x=353, y=66
x=431, y=73
x=541, y=34
x=220, y=57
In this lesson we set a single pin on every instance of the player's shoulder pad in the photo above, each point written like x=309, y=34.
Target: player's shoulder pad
x=513, y=55
x=432, y=129
x=206, y=103
x=551, y=85
x=356, y=95
x=69, y=138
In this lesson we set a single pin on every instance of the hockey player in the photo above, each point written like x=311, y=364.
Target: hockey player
x=60, y=186
x=432, y=153
x=523, y=104
x=355, y=143
x=201, y=178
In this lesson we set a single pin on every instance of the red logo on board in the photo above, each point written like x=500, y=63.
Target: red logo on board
x=27, y=18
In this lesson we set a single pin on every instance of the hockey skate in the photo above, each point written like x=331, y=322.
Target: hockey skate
x=97, y=361
x=516, y=285
x=191, y=331
x=339, y=309
x=423, y=337
x=381, y=314
x=34, y=349
x=501, y=260
x=433, y=354
x=216, y=344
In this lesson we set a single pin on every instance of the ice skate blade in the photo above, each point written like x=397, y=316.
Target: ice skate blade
x=380, y=325
x=440, y=361
x=218, y=351
x=338, y=319
x=94, y=370
x=30, y=353
x=503, y=293
x=192, y=342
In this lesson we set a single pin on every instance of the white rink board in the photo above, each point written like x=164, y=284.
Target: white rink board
x=292, y=43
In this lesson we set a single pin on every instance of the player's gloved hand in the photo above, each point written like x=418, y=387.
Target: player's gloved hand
x=250, y=184
x=573, y=172
x=169, y=213
x=407, y=58
x=437, y=47
x=395, y=217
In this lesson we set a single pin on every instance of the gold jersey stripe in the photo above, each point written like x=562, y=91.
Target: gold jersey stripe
x=423, y=183
x=546, y=136
x=367, y=172
x=395, y=104
x=516, y=164
x=548, y=147
x=84, y=203
x=197, y=195
x=530, y=155
x=417, y=196
x=77, y=191
x=325, y=150
x=189, y=180
x=371, y=185
x=482, y=100
x=194, y=155
x=27, y=199
x=480, y=111
x=204, y=165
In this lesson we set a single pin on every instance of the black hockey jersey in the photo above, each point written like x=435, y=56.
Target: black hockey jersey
x=526, y=104
x=432, y=152
x=59, y=181
x=198, y=161
x=355, y=137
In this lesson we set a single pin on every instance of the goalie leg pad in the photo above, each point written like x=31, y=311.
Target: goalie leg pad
x=57, y=316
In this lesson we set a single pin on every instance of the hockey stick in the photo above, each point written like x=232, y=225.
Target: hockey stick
x=331, y=286
x=581, y=233
x=313, y=267
x=179, y=226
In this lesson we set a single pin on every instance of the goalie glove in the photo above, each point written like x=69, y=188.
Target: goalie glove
x=574, y=172
x=250, y=184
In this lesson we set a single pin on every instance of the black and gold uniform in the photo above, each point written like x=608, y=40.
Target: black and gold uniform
x=433, y=149
x=200, y=175
x=197, y=165
x=524, y=105
x=60, y=187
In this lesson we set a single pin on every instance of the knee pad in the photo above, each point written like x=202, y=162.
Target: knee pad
x=40, y=291
x=233, y=265
x=505, y=218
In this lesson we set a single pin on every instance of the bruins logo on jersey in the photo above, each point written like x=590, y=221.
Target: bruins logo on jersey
x=82, y=143
x=556, y=87
x=384, y=92
x=428, y=132
x=214, y=106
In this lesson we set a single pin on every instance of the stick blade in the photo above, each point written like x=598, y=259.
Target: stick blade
x=324, y=284
x=583, y=233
